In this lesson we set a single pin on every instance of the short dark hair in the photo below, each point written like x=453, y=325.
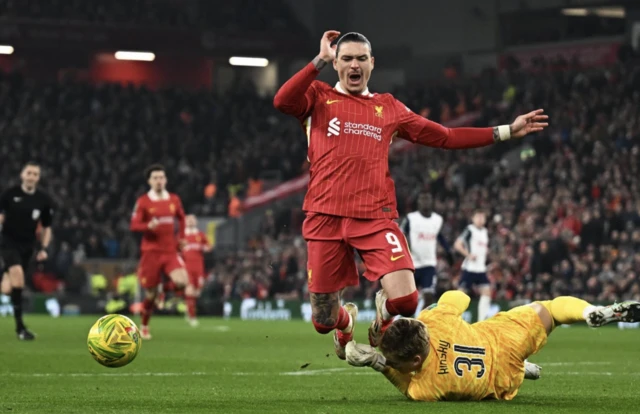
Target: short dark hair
x=352, y=37
x=404, y=339
x=31, y=164
x=153, y=168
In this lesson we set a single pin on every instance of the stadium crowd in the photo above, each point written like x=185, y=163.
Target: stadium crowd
x=253, y=15
x=564, y=221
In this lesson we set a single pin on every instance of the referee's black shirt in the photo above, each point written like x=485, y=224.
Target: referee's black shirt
x=22, y=212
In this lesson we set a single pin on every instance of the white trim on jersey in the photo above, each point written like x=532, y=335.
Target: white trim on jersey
x=364, y=93
x=153, y=196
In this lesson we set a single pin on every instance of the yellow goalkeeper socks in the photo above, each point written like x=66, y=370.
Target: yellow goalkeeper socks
x=568, y=310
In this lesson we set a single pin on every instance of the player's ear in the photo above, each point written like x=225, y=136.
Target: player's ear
x=373, y=62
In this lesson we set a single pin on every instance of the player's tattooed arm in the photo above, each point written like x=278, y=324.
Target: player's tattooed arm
x=325, y=307
x=319, y=63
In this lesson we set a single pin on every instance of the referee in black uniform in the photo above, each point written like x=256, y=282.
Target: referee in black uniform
x=21, y=209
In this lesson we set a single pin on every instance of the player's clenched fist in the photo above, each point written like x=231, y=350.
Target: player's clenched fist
x=328, y=52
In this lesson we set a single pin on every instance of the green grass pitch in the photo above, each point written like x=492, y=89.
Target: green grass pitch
x=233, y=366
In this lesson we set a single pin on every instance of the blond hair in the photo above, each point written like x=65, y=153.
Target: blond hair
x=405, y=339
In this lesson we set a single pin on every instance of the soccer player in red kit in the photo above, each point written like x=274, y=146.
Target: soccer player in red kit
x=154, y=215
x=196, y=244
x=350, y=203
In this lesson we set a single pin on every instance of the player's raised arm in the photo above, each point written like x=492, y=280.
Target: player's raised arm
x=419, y=130
x=296, y=97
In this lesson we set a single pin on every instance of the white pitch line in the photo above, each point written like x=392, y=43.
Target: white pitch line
x=587, y=374
x=316, y=371
x=562, y=364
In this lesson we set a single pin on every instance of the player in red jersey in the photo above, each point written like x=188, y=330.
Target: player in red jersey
x=196, y=243
x=154, y=215
x=350, y=203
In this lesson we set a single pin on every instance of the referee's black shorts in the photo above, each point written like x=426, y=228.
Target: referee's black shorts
x=16, y=254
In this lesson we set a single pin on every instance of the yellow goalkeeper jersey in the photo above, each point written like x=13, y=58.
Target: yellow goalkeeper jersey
x=474, y=362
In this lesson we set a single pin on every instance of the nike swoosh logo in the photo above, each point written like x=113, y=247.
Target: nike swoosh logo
x=330, y=101
x=393, y=259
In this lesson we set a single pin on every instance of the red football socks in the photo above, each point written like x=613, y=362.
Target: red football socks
x=191, y=306
x=147, y=309
x=405, y=305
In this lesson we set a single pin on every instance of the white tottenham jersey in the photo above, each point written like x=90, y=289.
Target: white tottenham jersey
x=476, y=242
x=422, y=234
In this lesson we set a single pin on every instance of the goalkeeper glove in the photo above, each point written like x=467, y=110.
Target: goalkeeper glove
x=364, y=356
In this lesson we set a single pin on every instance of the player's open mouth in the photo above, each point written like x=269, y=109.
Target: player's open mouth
x=355, y=77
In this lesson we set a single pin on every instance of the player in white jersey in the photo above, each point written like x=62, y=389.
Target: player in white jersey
x=473, y=244
x=422, y=229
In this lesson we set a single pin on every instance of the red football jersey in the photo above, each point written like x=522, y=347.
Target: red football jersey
x=166, y=209
x=349, y=138
x=197, y=243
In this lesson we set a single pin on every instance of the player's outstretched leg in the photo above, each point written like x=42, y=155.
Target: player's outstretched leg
x=628, y=311
x=568, y=310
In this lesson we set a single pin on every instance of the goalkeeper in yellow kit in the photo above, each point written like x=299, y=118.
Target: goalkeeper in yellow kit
x=440, y=357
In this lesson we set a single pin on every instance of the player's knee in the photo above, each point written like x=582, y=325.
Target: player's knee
x=190, y=290
x=180, y=278
x=544, y=314
x=150, y=293
x=404, y=306
x=16, y=276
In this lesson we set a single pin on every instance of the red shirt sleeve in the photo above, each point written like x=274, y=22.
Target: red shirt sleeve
x=139, y=219
x=180, y=216
x=297, y=96
x=420, y=130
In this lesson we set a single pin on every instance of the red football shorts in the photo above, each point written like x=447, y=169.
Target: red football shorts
x=196, y=275
x=154, y=264
x=332, y=242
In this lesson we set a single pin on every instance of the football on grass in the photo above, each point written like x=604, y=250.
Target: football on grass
x=114, y=341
